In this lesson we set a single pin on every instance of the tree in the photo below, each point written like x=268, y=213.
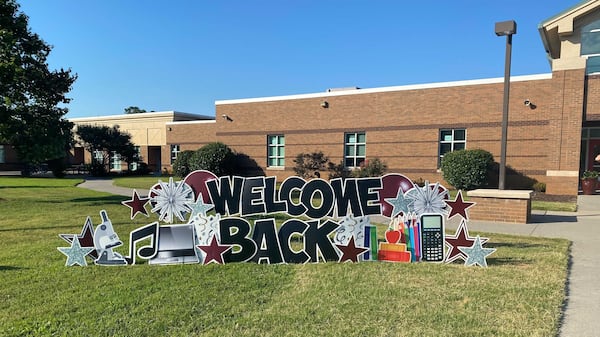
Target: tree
x=30, y=119
x=133, y=110
x=106, y=140
x=310, y=164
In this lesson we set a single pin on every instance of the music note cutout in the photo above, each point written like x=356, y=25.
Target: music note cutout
x=145, y=252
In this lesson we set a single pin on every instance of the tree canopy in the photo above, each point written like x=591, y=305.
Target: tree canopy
x=107, y=140
x=30, y=119
x=133, y=110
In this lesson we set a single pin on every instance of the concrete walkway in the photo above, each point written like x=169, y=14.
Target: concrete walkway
x=582, y=306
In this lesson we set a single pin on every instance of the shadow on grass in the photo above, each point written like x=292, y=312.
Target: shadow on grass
x=519, y=245
x=505, y=261
x=33, y=186
x=9, y=268
x=548, y=218
x=101, y=200
x=35, y=228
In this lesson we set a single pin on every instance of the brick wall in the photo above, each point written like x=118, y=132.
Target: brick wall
x=592, y=106
x=402, y=127
x=502, y=210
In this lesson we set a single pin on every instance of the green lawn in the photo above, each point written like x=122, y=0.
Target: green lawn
x=520, y=294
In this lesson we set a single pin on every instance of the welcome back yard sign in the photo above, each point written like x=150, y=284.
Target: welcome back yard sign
x=208, y=219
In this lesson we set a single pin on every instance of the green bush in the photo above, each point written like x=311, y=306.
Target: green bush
x=338, y=170
x=181, y=166
x=539, y=187
x=214, y=157
x=310, y=164
x=467, y=169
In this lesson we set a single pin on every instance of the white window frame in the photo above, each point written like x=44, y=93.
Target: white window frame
x=175, y=150
x=452, y=141
x=98, y=156
x=354, y=156
x=115, y=161
x=279, y=146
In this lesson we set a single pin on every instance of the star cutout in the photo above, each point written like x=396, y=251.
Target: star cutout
x=350, y=252
x=86, y=238
x=458, y=206
x=214, y=251
x=137, y=204
x=199, y=207
x=477, y=254
x=400, y=203
x=349, y=226
x=460, y=239
x=75, y=254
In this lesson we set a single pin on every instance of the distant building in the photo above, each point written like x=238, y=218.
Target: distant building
x=148, y=133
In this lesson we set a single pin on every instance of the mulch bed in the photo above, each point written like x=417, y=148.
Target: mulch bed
x=539, y=196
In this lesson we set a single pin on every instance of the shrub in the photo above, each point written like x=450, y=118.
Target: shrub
x=214, y=157
x=539, y=187
x=370, y=168
x=181, y=166
x=309, y=164
x=58, y=167
x=467, y=169
x=338, y=170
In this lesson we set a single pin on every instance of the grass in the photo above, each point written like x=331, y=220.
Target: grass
x=520, y=294
x=144, y=182
x=554, y=206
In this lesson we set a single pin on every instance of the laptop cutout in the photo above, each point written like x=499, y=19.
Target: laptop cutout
x=175, y=245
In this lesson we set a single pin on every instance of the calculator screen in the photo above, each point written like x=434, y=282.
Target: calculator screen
x=431, y=222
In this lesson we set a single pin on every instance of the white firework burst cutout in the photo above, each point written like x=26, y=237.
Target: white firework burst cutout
x=431, y=198
x=171, y=200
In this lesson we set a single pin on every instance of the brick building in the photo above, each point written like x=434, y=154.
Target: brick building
x=553, y=133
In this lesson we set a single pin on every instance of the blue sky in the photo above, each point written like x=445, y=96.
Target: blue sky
x=184, y=54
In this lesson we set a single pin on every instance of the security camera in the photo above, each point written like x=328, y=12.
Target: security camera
x=527, y=102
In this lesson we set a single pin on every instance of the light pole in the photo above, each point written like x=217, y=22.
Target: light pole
x=507, y=28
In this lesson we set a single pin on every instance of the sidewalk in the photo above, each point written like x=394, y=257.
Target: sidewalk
x=582, y=306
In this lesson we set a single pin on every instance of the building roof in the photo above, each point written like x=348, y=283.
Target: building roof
x=173, y=115
x=561, y=25
x=358, y=91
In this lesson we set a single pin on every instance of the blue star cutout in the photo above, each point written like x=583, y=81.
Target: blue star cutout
x=476, y=254
x=400, y=203
x=75, y=254
x=199, y=207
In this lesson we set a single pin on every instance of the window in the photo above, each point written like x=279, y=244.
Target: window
x=137, y=158
x=98, y=157
x=276, y=151
x=590, y=38
x=174, y=152
x=355, y=148
x=590, y=46
x=115, y=161
x=451, y=140
x=2, y=155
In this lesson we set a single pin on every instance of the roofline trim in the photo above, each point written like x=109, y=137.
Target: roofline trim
x=388, y=89
x=138, y=115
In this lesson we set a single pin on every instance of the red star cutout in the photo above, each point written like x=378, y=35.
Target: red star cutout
x=136, y=204
x=460, y=239
x=458, y=206
x=214, y=251
x=86, y=238
x=350, y=252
